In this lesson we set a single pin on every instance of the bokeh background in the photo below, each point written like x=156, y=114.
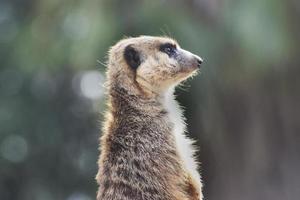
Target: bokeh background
x=243, y=109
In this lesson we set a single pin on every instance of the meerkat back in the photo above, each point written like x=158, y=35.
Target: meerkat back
x=145, y=154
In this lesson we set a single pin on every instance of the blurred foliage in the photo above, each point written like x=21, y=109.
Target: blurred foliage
x=243, y=108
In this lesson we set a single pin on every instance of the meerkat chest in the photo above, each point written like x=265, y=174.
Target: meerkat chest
x=184, y=145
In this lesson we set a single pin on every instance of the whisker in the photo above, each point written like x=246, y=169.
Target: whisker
x=101, y=63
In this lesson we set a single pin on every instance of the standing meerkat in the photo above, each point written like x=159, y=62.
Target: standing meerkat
x=145, y=154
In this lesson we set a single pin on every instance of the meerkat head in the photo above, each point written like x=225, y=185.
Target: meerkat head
x=150, y=64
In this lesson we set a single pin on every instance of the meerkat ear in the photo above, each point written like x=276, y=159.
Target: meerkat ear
x=132, y=57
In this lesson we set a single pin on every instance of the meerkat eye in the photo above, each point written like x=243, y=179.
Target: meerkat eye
x=168, y=48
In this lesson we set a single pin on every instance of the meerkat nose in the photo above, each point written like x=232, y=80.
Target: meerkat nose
x=200, y=61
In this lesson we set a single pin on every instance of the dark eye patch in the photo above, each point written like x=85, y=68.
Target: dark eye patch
x=168, y=48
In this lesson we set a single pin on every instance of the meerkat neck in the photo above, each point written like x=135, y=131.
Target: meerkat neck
x=147, y=87
x=123, y=101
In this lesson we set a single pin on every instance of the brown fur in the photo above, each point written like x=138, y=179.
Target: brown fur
x=139, y=159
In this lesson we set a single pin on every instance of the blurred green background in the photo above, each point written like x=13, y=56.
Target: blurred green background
x=243, y=108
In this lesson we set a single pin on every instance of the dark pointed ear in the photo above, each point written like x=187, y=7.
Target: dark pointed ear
x=132, y=57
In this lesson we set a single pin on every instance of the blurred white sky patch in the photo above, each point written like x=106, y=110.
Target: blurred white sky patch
x=79, y=196
x=14, y=148
x=89, y=84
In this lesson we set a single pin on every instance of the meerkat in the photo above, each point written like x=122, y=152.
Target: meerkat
x=145, y=154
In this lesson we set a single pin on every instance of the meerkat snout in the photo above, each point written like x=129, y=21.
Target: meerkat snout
x=199, y=62
x=189, y=59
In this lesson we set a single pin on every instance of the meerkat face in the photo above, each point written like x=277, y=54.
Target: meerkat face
x=157, y=63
